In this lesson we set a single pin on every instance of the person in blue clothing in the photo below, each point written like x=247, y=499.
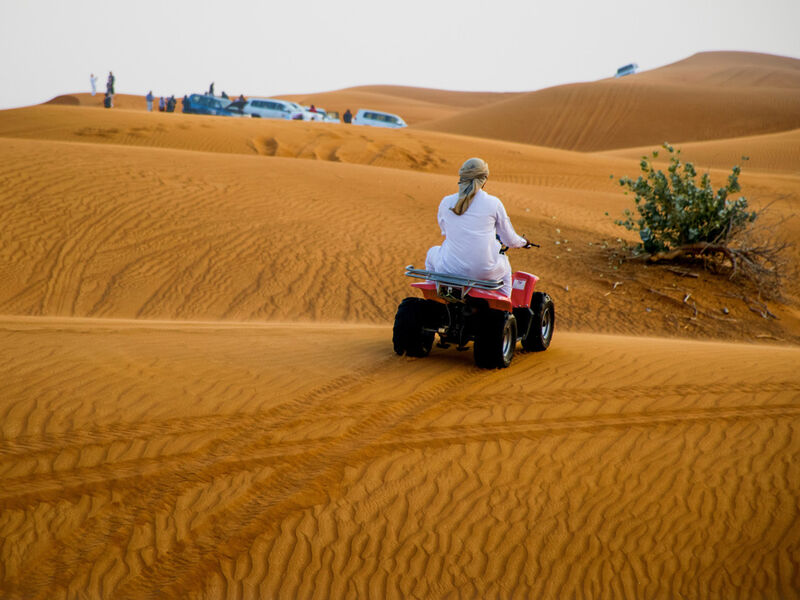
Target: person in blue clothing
x=149, y=99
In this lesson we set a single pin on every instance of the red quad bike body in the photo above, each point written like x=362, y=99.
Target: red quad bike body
x=461, y=310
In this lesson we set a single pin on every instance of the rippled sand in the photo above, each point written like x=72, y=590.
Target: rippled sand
x=199, y=398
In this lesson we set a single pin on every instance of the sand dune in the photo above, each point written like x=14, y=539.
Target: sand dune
x=733, y=94
x=431, y=152
x=647, y=108
x=771, y=153
x=202, y=235
x=195, y=235
x=417, y=105
x=123, y=101
x=435, y=96
x=413, y=110
x=731, y=70
x=401, y=149
x=199, y=398
x=606, y=466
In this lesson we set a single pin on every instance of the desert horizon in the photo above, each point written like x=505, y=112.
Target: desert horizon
x=200, y=398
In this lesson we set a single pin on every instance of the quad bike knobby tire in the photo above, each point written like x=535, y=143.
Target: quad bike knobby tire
x=408, y=335
x=543, y=322
x=495, y=340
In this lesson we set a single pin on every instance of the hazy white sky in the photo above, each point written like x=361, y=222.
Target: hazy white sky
x=271, y=47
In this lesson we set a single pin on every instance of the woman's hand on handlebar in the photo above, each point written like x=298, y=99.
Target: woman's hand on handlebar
x=528, y=244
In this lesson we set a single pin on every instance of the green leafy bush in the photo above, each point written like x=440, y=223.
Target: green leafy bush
x=675, y=211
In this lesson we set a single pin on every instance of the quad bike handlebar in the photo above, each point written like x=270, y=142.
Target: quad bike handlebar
x=504, y=248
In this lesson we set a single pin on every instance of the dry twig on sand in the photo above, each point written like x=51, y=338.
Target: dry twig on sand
x=759, y=264
x=683, y=273
x=693, y=305
x=756, y=306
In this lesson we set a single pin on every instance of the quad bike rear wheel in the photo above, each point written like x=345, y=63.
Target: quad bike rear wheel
x=409, y=336
x=543, y=323
x=495, y=340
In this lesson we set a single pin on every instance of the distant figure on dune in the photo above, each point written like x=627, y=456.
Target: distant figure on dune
x=162, y=104
x=211, y=89
x=93, y=81
x=241, y=97
x=171, y=104
x=110, y=83
x=108, y=101
x=184, y=100
x=471, y=222
x=224, y=95
x=347, y=117
x=149, y=99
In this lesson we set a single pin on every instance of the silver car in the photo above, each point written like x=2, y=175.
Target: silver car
x=377, y=119
x=268, y=108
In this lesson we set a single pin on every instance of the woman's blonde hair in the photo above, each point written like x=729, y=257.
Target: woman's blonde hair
x=472, y=177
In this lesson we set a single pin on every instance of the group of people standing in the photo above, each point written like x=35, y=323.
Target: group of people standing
x=164, y=105
x=168, y=104
x=108, y=101
x=223, y=95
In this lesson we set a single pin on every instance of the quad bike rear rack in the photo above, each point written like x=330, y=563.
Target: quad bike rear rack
x=453, y=288
x=448, y=279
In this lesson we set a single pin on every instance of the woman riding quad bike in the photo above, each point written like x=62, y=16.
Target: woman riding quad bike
x=469, y=291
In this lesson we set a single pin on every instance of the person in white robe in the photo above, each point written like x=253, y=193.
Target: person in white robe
x=471, y=220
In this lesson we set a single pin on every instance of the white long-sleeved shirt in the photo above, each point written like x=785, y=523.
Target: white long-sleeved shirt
x=470, y=247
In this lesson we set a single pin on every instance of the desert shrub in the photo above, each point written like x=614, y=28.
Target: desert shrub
x=675, y=210
x=682, y=218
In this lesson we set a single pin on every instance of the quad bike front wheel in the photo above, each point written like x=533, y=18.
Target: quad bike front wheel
x=409, y=336
x=495, y=340
x=543, y=323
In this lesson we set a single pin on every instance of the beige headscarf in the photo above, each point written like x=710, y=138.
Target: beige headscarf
x=472, y=177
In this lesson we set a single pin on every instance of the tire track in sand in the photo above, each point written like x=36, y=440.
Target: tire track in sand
x=294, y=484
x=165, y=485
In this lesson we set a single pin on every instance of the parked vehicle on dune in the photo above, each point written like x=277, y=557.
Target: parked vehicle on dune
x=627, y=70
x=203, y=104
x=300, y=112
x=377, y=118
x=461, y=310
x=322, y=115
x=268, y=108
x=315, y=114
x=236, y=108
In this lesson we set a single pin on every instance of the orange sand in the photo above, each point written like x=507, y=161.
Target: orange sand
x=707, y=96
x=198, y=393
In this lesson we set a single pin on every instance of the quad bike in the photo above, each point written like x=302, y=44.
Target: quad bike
x=462, y=310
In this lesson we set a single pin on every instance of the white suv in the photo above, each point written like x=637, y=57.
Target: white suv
x=306, y=115
x=268, y=108
x=377, y=119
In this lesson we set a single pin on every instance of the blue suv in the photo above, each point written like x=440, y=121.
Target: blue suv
x=203, y=104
